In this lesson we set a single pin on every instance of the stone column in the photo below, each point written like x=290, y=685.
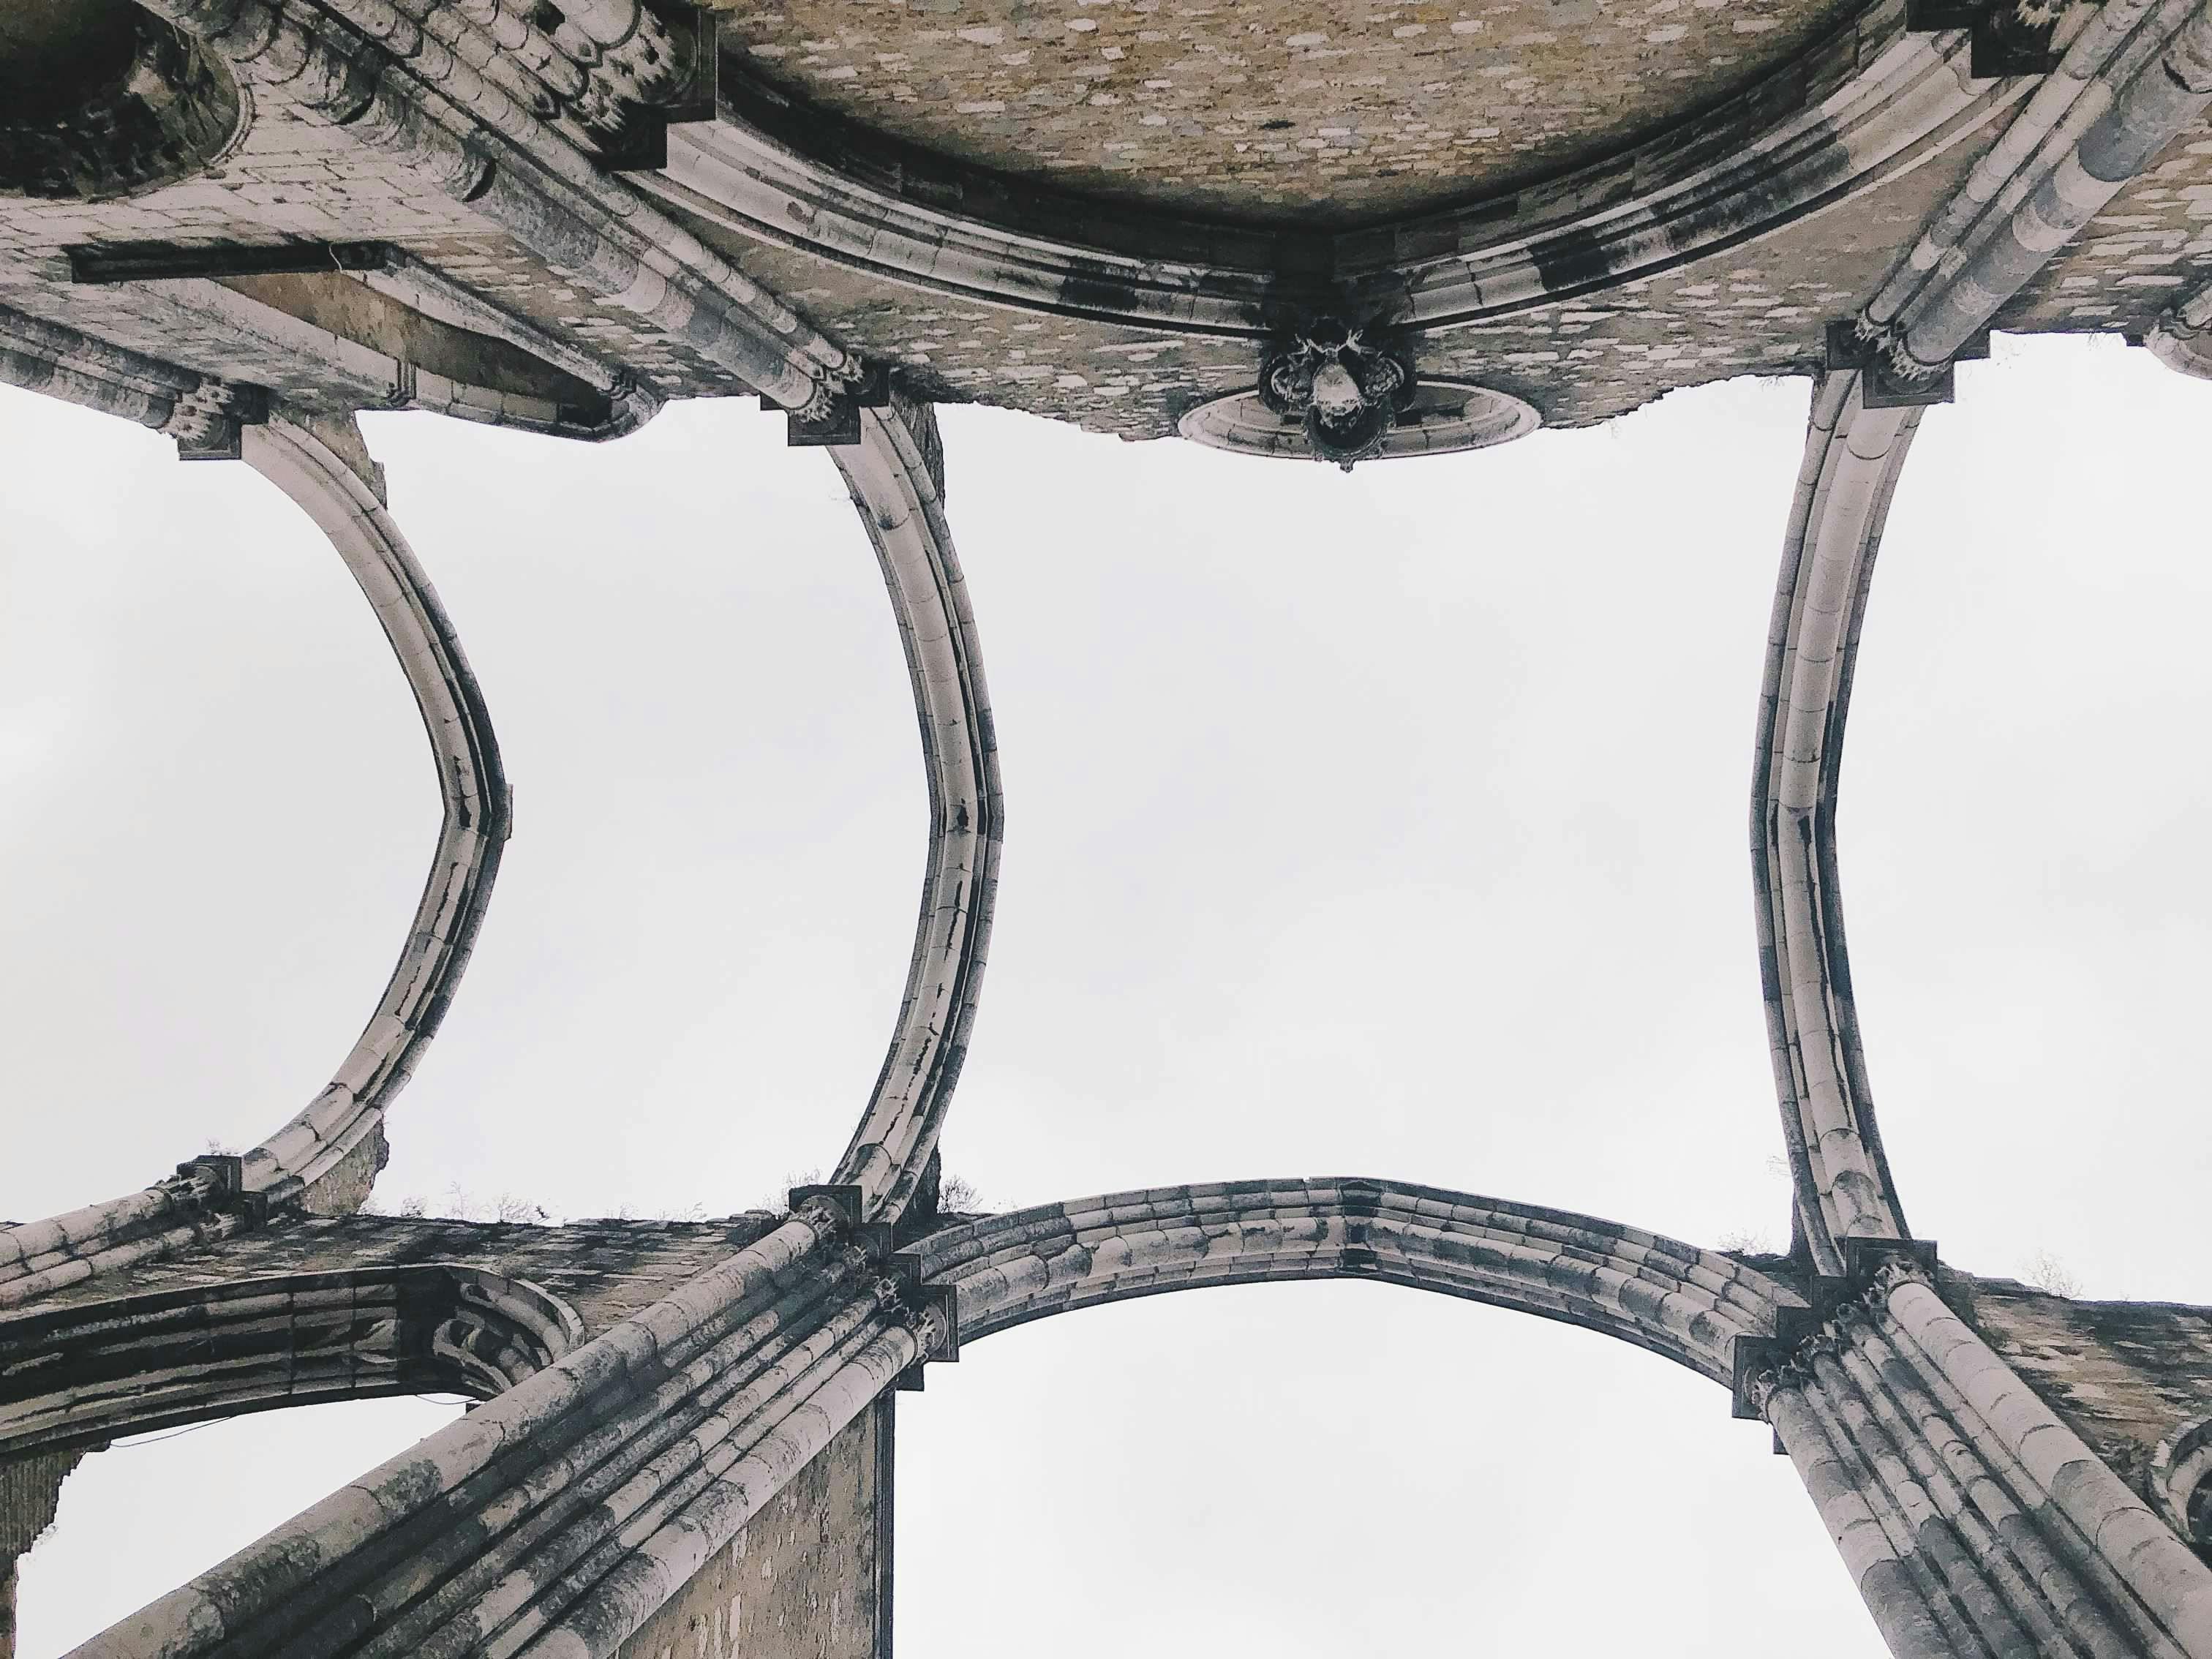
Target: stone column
x=1973, y=1520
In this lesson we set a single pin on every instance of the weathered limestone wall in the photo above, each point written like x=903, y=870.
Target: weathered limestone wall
x=2122, y=1375
x=809, y=1579
x=29, y=1489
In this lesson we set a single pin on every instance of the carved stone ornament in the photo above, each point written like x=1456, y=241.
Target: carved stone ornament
x=1438, y=418
x=1346, y=391
x=100, y=99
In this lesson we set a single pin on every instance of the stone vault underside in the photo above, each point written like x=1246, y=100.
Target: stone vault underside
x=250, y=219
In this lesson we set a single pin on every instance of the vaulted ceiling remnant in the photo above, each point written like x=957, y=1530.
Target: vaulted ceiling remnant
x=1341, y=233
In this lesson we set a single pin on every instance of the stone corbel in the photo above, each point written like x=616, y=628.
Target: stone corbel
x=841, y=1208
x=2009, y=37
x=935, y=1312
x=641, y=146
x=227, y=1192
x=1848, y=345
x=1869, y=1265
x=841, y=424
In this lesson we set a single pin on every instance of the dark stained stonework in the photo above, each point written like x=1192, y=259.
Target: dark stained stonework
x=30, y=1487
x=98, y=100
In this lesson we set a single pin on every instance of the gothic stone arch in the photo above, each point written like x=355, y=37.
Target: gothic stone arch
x=597, y=205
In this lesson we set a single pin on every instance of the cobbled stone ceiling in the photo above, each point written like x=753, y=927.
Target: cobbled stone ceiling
x=1271, y=113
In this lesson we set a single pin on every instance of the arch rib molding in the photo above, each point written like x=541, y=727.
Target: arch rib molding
x=894, y=475
x=308, y=1150
x=1867, y=103
x=324, y=1159
x=81, y=1374
x=1852, y=458
x=1688, y=1305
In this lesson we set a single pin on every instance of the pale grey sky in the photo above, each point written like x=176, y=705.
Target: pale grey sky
x=1392, y=823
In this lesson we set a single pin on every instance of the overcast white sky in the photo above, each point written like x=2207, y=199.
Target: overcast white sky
x=1392, y=823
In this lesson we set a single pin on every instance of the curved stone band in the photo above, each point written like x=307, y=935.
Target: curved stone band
x=1866, y=103
x=324, y=1159
x=82, y=1373
x=1852, y=458
x=894, y=474
x=306, y=1157
x=1687, y=1304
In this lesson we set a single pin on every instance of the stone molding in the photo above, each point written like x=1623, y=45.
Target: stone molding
x=1973, y=1521
x=88, y=1372
x=2181, y=1480
x=325, y=1145
x=384, y=76
x=222, y=287
x=1868, y=102
x=171, y=111
x=894, y=474
x=1690, y=1305
x=202, y=413
x=2130, y=83
x=2180, y=339
x=555, y=1518
x=1853, y=456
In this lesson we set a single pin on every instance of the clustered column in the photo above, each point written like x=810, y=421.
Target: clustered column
x=1973, y=1521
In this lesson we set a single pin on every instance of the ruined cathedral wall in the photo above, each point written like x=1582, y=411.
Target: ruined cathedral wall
x=2128, y=1377
x=809, y=1578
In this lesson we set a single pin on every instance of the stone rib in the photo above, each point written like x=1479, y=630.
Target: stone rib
x=892, y=476
x=84, y=1373
x=2087, y=52
x=349, y=1114
x=1860, y=107
x=1852, y=458
x=326, y=1158
x=2154, y=105
x=372, y=71
x=311, y=1569
x=1687, y=1304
